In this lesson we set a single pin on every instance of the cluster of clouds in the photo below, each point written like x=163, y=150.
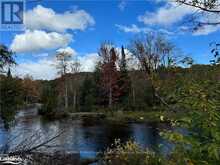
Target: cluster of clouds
x=46, y=31
x=45, y=68
x=169, y=15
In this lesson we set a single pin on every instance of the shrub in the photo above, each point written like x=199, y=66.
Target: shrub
x=129, y=153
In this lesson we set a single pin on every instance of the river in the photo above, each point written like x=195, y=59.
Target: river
x=83, y=136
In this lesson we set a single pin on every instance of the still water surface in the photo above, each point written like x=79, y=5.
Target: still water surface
x=83, y=136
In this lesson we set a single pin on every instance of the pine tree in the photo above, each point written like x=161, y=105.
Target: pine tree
x=9, y=73
x=11, y=97
x=87, y=99
x=124, y=80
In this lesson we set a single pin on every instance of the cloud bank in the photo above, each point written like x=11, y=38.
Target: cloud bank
x=38, y=40
x=42, y=18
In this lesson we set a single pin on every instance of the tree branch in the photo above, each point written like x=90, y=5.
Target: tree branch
x=29, y=150
x=198, y=6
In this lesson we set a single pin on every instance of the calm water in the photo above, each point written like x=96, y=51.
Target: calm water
x=86, y=137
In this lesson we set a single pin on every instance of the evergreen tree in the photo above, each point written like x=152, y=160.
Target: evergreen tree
x=11, y=97
x=6, y=57
x=9, y=73
x=87, y=99
x=49, y=100
x=124, y=80
x=97, y=84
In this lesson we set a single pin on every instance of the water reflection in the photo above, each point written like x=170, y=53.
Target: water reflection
x=82, y=136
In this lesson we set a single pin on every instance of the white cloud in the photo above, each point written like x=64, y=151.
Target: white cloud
x=68, y=50
x=132, y=29
x=46, y=68
x=88, y=61
x=122, y=5
x=135, y=29
x=42, y=69
x=41, y=55
x=42, y=18
x=167, y=15
x=172, y=13
x=35, y=41
x=206, y=30
x=132, y=61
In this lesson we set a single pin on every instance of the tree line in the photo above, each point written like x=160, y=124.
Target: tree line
x=113, y=85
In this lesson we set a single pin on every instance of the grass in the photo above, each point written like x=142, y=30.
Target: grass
x=142, y=116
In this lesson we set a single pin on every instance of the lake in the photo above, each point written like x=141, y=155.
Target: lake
x=86, y=137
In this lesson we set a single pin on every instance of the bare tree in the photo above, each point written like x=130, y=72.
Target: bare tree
x=153, y=52
x=75, y=66
x=63, y=58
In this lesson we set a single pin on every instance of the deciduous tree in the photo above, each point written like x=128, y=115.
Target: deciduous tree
x=109, y=73
x=63, y=58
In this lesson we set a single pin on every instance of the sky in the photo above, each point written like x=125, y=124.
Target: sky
x=80, y=26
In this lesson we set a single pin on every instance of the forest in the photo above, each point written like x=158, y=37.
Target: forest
x=148, y=80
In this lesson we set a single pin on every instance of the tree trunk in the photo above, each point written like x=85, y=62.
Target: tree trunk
x=133, y=96
x=66, y=95
x=74, y=99
x=110, y=97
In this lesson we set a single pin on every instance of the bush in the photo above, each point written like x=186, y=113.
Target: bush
x=129, y=153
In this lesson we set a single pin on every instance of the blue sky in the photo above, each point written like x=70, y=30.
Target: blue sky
x=80, y=26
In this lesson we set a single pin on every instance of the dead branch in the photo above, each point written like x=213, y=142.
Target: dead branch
x=25, y=149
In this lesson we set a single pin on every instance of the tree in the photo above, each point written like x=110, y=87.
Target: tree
x=75, y=69
x=9, y=87
x=202, y=142
x=30, y=89
x=49, y=100
x=153, y=52
x=124, y=79
x=187, y=61
x=63, y=58
x=109, y=73
x=88, y=95
x=11, y=97
x=97, y=74
x=6, y=57
x=206, y=13
x=215, y=52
